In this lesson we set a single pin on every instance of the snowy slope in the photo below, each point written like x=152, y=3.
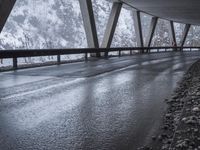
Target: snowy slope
x=58, y=24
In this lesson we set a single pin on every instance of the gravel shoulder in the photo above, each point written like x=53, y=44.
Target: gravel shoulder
x=181, y=123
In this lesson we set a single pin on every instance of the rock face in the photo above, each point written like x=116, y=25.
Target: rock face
x=181, y=126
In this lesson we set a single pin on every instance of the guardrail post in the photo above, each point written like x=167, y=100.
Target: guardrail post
x=58, y=59
x=86, y=56
x=149, y=51
x=15, y=66
x=120, y=53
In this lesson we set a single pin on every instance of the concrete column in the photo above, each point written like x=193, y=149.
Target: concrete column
x=185, y=33
x=153, y=24
x=172, y=35
x=138, y=28
x=111, y=25
x=6, y=7
x=89, y=23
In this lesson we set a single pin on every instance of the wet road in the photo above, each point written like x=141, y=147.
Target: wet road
x=114, y=104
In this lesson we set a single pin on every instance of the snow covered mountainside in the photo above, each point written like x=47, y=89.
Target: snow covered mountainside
x=43, y=24
x=55, y=24
x=58, y=24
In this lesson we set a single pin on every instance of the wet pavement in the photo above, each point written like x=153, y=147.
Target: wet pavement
x=109, y=104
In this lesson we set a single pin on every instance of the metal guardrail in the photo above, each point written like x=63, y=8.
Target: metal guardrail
x=14, y=54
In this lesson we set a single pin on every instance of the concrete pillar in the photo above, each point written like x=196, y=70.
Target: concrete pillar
x=185, y=33
x=6, y=7
x=138, y=28
x=149, y=38
x=89, y=24
x=111, y=25
x=172, y=35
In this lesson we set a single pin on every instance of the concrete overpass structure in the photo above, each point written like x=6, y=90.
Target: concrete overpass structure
x=186, y=12
x=183, y=11
x=104, y=104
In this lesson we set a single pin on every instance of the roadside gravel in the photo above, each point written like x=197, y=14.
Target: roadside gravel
x=181, y=123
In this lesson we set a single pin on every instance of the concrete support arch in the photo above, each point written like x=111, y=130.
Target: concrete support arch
x=138, y=28
x=111, y=25
x=6, y=7
x=172, y=35
x=185, y=33
x=89, y=24
x=152, y=28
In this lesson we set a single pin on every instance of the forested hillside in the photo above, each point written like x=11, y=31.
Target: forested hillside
x=58, y=24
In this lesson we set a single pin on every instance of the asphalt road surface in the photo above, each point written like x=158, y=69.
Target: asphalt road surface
x=114, y=104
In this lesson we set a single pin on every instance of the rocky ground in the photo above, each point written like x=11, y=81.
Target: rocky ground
x=181, y=123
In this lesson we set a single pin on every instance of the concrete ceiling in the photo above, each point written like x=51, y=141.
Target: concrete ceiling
x=183, y=11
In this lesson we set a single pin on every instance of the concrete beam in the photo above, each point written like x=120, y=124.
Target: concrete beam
x=111, y=25
x=185, y=33
x=89, y=23
x=172, y=34
x=153, y=24
x=6, y=7
x=138, y=28
x=185, y=11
